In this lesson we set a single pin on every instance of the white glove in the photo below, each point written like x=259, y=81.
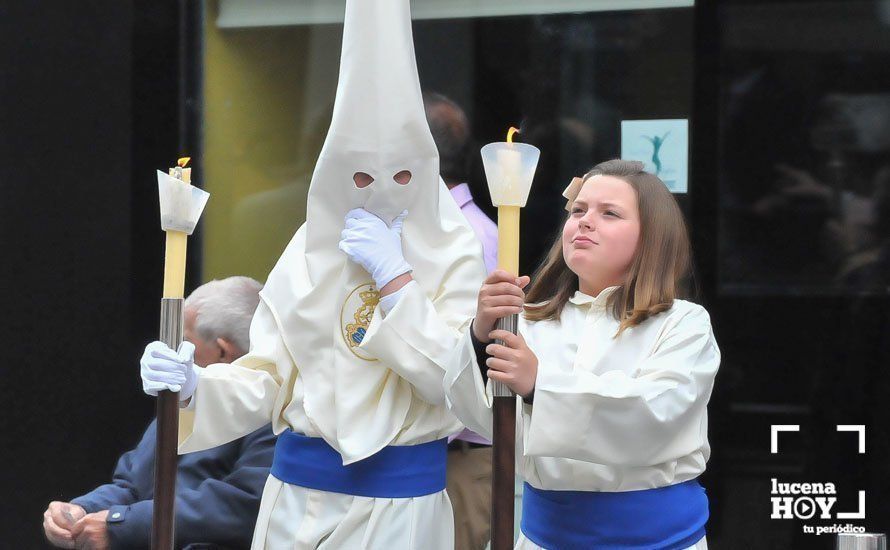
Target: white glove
x=390, y=300
x=370, y=243
x=165, y=369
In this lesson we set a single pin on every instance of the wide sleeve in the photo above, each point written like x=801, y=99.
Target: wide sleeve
x=466, y=390
x=656, y=415
x=234, y=400
x=415, y=341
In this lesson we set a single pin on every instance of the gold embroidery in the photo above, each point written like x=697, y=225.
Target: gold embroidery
x=354, y=332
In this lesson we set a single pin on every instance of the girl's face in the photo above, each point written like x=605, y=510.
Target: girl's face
x=600, y=237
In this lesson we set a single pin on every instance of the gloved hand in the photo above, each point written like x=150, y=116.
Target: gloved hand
x=164, y=369
x=370, y=243
x=388, y=302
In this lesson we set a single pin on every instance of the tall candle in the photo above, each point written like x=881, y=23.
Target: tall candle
x=181, y=206
x=509, y=168
x=175, y=254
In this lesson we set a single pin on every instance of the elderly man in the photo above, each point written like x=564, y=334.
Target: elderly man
x=218, y=490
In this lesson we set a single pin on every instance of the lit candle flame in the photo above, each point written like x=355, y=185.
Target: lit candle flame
x=510, y=134
x=183, y=161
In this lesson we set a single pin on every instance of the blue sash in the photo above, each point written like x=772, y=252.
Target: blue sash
x=666, y=518
x=393, y=472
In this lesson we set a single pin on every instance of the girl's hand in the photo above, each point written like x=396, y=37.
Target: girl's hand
x=513, y=363
x=501, y=295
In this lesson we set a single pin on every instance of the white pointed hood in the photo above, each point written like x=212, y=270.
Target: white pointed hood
x=321, y=300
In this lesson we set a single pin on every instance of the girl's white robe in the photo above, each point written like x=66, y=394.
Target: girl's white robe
x=609, y=414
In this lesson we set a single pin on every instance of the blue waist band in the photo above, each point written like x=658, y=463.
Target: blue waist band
x=393, y=472
x=666, y=518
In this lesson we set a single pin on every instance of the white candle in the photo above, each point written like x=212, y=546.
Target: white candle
x=509, y=163
x=509, y=168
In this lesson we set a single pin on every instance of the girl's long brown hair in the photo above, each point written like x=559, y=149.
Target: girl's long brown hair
x=657, y=271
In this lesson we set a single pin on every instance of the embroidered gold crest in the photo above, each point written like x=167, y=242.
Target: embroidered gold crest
x=356, y=315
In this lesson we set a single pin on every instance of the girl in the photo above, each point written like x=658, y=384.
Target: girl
x=614, y=373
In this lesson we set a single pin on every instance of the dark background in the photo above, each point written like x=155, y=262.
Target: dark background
x=97, y=95
x=89, y=108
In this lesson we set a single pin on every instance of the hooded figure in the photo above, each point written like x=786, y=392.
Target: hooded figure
x=355, y=323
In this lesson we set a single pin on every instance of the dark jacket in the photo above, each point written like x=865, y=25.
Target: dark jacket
x=217, y=493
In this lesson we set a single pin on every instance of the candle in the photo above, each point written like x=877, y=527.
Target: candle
x=174, y=257
x=181, y=206
x=509, y=168
x=509, y=162
x=180, y=171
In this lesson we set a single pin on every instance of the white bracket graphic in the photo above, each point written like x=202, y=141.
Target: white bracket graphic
x=855, y=428
x=774, y=434
x=855, y=515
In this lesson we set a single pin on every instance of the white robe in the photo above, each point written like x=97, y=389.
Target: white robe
x=233, y=400
x=317, y=364
x=608, y=414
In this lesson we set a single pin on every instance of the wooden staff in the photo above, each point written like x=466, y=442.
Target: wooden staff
x=504, y=407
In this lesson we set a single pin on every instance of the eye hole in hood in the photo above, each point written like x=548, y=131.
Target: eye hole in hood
x=403, y=177
x=363, y=180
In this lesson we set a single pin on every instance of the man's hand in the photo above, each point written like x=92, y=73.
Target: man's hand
x=91, y=532
x=58, y=520
x=513, y=363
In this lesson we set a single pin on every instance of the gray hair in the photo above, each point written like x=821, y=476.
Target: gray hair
x=224, y=309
